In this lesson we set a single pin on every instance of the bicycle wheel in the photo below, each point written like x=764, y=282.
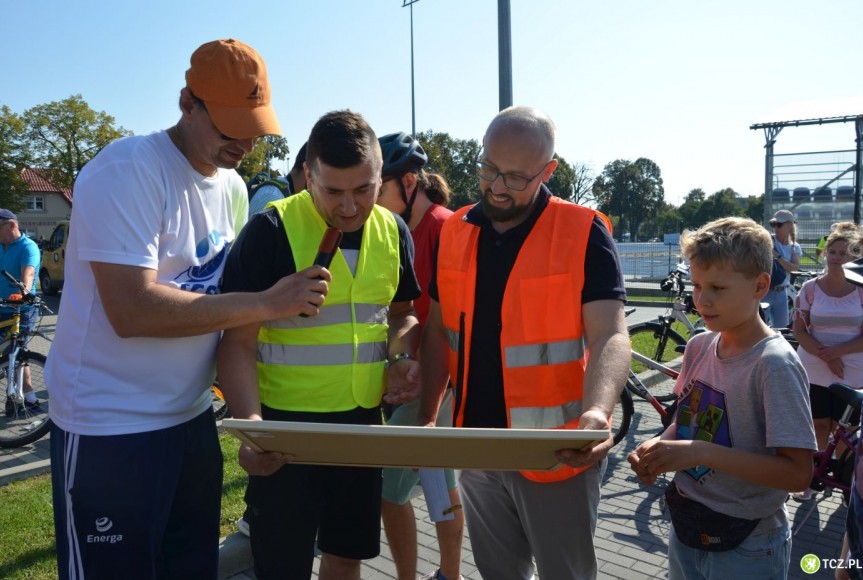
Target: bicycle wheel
x=657, y=342
x=24, y=423
x=622, y=417
x=220, y=407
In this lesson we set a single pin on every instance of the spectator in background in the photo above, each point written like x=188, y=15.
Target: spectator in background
x=829, y=316
x=788, y=252
x=20, y=256
x=293, y=183
x=420, y=198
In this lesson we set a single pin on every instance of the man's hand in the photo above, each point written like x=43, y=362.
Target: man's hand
x=266, y=463
x=590, y=419
x=300, y=293
x=403, y=382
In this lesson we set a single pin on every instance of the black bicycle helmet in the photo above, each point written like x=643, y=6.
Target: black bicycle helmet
x=402, y=153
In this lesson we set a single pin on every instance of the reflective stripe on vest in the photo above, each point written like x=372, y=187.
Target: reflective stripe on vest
x=321, y=354
x=548, y=353
x=333, y=361
x=336, y=314
x=542, y=344
x=544, y=417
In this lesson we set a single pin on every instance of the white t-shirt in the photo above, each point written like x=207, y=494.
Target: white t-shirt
x=139, y=203
x=833, y=320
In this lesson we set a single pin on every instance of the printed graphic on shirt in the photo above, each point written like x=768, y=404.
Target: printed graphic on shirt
x=204, y=278
x=702, y=416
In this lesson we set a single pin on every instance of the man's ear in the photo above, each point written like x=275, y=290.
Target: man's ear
x=549, y=170
x=187, y=101
x=308, y=173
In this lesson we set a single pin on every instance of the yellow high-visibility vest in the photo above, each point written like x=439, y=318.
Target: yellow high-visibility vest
x=333, y=361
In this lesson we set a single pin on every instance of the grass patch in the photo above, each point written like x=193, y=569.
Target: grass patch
x=663, y=299
x=27, y=518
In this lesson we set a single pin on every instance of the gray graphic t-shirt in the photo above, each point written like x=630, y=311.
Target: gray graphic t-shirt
x=756, y=402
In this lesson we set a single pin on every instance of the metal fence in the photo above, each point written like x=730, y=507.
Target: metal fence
x=651, y=262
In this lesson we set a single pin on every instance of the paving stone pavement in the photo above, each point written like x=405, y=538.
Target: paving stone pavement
x=631, y=535
x=632, y=532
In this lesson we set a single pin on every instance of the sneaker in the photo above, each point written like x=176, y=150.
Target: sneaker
x=438, y=576
x=243, y=526
x=24, y=410
x=802, y=496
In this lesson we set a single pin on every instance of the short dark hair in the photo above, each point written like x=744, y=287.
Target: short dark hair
x=342, y=139
x=300, y=158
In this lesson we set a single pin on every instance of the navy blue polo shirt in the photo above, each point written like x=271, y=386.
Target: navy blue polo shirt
x=496, y=255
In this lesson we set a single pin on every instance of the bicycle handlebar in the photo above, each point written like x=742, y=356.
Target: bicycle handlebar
x=26, y=297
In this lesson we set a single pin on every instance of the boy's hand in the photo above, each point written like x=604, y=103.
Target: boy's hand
x=660, y=456
x=639, y=467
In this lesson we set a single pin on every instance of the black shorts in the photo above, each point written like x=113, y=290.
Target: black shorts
x=341, y=506
x=825, y=404
x=144, y=505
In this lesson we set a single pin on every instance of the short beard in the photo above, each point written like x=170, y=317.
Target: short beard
x=504, y=215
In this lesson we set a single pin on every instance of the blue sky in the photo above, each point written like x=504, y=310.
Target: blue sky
x=676, y=81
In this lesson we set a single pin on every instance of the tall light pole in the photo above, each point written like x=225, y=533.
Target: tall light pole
x=413, y=98
x=504, y=53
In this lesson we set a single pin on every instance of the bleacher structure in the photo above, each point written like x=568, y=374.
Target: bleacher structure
x=819, y=187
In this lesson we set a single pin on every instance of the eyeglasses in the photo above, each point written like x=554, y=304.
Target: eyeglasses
x=511, y=180
x=778, y=224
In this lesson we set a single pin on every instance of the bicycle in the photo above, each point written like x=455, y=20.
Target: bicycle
x=652, y=338
x=636, y=388
x=22, y=421
x=835, y=473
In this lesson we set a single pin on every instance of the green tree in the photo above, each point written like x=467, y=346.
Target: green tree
x=723, y=203
x=572, y=182
x=667, y=221
x=455, y=159
x=631, y=190
x=267, y=149
x=755, y=207
x=689, y=208
x=13, y=158
x=62, y=136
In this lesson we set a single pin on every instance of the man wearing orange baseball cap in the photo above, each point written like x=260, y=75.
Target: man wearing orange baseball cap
x=136, y=463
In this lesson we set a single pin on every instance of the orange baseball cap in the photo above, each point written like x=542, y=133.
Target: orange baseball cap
x=231, y=78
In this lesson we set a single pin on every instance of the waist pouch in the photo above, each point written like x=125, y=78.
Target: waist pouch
x=702, y=528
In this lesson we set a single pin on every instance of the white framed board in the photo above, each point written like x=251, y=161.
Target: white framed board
x=398, y=446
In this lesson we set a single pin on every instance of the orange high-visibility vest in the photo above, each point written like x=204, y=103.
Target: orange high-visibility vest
x=542, y=343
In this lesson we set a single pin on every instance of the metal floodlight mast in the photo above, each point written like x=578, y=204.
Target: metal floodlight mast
x=413, y=98
x=504, y=53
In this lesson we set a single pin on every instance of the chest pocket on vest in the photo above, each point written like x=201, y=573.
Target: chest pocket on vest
x=548, y=310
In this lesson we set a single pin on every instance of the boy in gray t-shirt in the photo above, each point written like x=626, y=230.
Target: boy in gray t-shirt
x=742, y=436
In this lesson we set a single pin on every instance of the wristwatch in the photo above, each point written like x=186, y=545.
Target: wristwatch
x=397, y=357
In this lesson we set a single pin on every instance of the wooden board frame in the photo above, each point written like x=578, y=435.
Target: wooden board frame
x=399, y=446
